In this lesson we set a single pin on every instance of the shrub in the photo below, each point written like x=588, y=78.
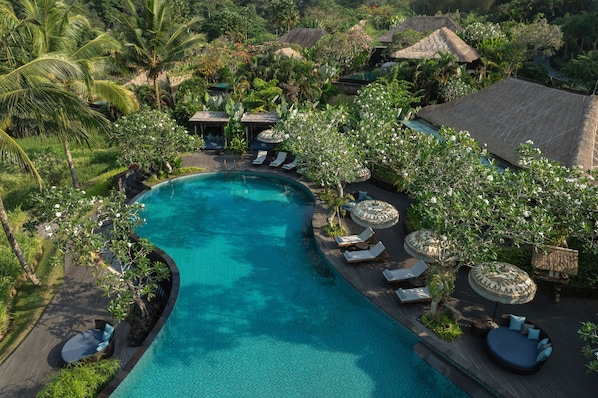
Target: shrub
x=441, y=324
x=80, y=380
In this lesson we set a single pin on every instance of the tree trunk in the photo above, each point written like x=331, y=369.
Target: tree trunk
x=433, y=307
x=69, y=159
x=157, y=93
x=15, y=246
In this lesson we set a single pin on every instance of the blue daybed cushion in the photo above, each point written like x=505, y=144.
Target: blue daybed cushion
x=533, y=334
x=542, y=342
x=544, y=354
x=108, y=331
x=102, y=345
x=512, y=348
x=515, y=322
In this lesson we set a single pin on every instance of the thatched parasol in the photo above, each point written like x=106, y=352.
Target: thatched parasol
x=270, y=136
x=502, y=283
x=424, y=245
x=375, y=214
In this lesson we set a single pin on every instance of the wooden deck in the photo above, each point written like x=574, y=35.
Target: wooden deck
x=465, y=361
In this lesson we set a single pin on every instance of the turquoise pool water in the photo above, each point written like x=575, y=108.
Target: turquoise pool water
x=257, y=314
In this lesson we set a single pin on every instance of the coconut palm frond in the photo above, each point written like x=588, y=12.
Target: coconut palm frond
x=10, y=150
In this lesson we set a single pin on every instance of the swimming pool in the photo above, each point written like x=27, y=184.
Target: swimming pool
x=254, y=317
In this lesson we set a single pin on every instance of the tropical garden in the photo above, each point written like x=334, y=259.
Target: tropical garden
x=75, y=113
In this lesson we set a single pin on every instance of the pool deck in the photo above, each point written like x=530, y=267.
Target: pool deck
x=78, y=302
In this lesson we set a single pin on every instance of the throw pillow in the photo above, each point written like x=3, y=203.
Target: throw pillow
x=542, y=342
x=108, y=331
x=544, y=354
x=525, y=327
x=515, y=322
x=533, y=334
x=108, y=328
x=545, y=346
x=101, y=346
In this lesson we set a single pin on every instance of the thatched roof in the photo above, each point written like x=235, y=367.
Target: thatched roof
x=556, y=259
x=422, y=24
x=562, y=124
x=305, y=37
x=219, y=117
x=214, y=117
x=260, y=118
x=289, y=53
x=441, y=40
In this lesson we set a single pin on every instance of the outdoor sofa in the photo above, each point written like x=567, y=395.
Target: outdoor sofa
x=91, y=345
x=518, y=345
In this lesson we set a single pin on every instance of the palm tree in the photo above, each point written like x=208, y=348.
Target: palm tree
x=153, y=41
x=27, y=90
x=47, y=27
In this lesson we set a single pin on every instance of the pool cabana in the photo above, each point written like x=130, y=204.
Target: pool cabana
x=214, y=122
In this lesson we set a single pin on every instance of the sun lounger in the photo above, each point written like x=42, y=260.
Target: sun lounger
x=261, y=157
x=291, y=165
x=365, y=255
x=350, y=240
x=414, y=295
x=279, y=159
x=398, y=275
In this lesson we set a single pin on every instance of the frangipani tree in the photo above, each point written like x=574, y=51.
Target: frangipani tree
x=152, y=140
x=97, y=232
x=329, y=155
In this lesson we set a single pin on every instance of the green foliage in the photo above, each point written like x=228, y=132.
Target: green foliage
x=519, y=256
x=334, y=230
x=455, y=88
x=29, y=304
x=404, y=39
x=533, y=71
x=584, y=69
x=330, y=156
x=334, y=201
x=237, y=145
x=444, y=327
x=11, y=273
x=348, y=51
x=151, y=140
x=441, y=283
x=588, y=332
x=284, y=14
x=189, y=99
x=104, y=243
x=146, y=96
x=82, y=380
x=263, y=96
x=102, y=184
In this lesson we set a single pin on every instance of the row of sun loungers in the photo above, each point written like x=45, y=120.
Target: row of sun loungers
x=278, y=162
x=411, y=295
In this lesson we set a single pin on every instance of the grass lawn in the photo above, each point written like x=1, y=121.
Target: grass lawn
x=95, y=165
x=30, y=302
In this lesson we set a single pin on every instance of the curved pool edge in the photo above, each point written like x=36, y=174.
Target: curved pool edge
x=175, y=277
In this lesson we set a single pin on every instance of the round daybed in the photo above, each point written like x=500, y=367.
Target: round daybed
x=91, y=345
x=518, y=345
